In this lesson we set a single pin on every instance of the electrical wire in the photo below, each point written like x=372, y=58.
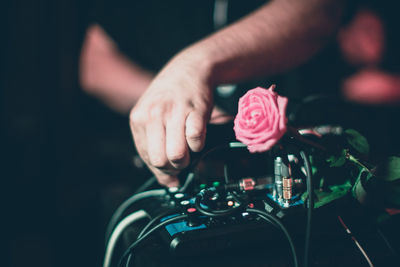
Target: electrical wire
x=119, y=229
x=155, y=219
x=152, y=230
x=215, y=213
x=355, y=242
x=127, y=203
x=268, y=217
x=226, y=174
x=389, y=246
x=128, y=260
x=310, y=206
x=148, y=225
x=190, y=177
x=146, y=185
x=188, y=181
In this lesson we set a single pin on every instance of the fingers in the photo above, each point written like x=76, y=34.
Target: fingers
x=158, y=161
x=161, y=145
x=163, y=135
x=164, y=178
x=195, y=130
x=176, y=148
x=155, y=136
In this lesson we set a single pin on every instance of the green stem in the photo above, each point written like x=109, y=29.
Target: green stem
x=356, y=161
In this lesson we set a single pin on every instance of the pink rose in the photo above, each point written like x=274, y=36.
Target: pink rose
x=261, y=119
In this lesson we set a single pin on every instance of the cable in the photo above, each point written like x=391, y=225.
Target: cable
x=155, y=219
x=139, y=240
x=355, y=242
x=310, y=201
x=226, y=176
x=118, y=231
x=190, y=177
x=127, y=203
x=146, y=185
x=387, y=243
x=188, y=181
x=214, y=213
x=128, y=260
x=268, y=217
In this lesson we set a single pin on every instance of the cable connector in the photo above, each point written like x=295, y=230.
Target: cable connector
x=247, y=184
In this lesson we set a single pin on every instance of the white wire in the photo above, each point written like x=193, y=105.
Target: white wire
x=127, y=203
x=128, y=220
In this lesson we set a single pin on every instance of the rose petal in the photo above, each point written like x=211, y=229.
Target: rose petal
x=261, y=119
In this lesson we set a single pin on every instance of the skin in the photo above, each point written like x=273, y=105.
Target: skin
x=170, y=118
x=108, y=74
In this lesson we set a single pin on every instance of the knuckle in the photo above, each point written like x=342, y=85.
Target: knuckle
x=195, y=134
x=177, y=156
x=155, y=112
x=159, y=162
x=136, y=117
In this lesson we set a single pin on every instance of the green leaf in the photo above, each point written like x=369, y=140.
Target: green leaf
x=335, y=192
x=337, y=161
x=392, y=170
x=358, y=190
x=357, y=141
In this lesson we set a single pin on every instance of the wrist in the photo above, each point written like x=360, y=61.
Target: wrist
x=200, y=64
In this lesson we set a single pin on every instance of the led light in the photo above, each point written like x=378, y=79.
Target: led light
x=202, y=186
x=173, y=189
x=191, y=210
x=179, y=195
x=185, y=202
x=231, y=203
x=251, y=205
x=216, y=184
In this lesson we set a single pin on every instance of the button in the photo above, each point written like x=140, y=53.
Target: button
x=185, y=202
x=191, y=210
x=173, y=189
x=179, y=195
x=216, y=184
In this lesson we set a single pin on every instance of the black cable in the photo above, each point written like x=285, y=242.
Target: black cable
x=388, y=245
x=214, y=213
x=310, y=206
x=188, y=181
x=146, y=185
x=268, y=217
x=231, y=145
x=128, y=260
x=128, y=203
x=226, y=175
x=155, y=219
x=129, y=250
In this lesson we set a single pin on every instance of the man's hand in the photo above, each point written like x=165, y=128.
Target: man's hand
x=170, y=118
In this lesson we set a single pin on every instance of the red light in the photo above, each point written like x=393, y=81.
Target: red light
x=251, y=205
x=191, y=210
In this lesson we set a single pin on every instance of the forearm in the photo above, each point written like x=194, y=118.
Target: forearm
x=108, y=74
x=280, y=35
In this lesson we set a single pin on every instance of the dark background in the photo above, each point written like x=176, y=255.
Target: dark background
x=59, y=148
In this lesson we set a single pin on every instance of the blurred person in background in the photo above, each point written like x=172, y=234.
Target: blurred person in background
x=163, y=54
x=368, y=44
